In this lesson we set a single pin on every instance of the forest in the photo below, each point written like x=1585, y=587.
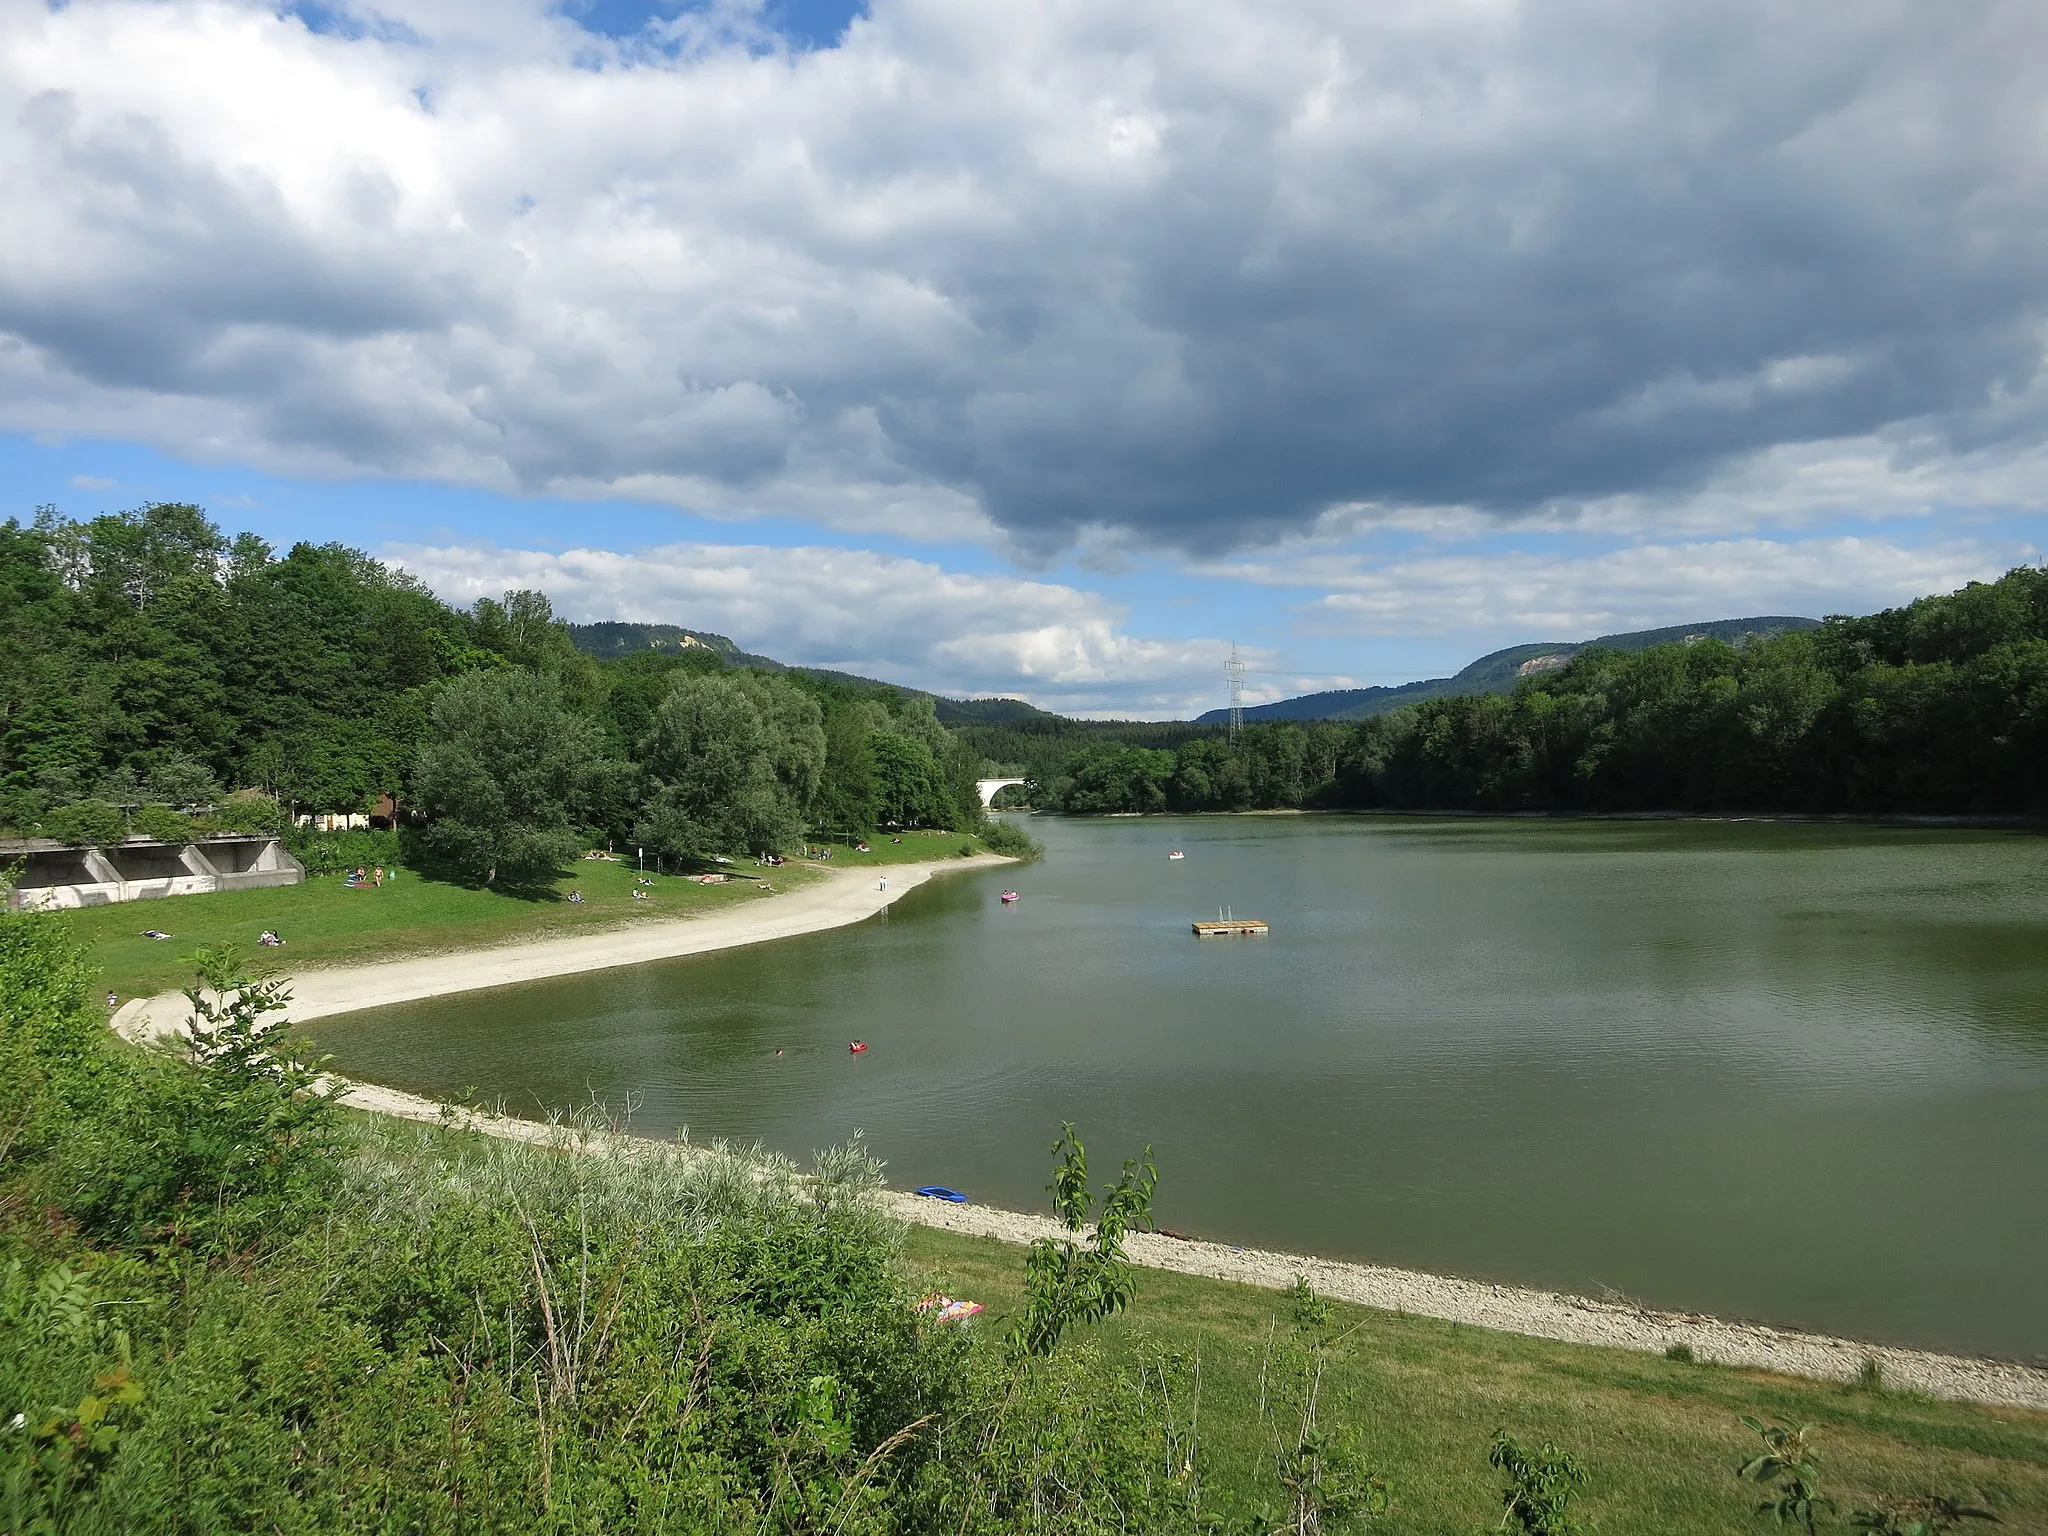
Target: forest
x=1939, y=707
x=159, y=675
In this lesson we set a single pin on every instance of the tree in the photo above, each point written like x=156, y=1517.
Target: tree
x=734, y=762
x=910, y=790
x=503, y=776
x=846, y=787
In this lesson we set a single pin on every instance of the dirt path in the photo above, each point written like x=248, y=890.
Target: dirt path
x=843, y=896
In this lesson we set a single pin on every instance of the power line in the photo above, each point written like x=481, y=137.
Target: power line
x=1233, y=677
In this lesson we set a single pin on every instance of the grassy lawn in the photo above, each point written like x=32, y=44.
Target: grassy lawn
x=1423, y=1398
x=323, y=922
x=901, y=848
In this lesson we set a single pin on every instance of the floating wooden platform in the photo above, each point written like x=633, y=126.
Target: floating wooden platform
x=1229, y=927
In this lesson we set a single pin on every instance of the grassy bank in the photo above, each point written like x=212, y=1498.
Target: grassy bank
x=904, y=848
x=324, y=922
x=1661, y=1437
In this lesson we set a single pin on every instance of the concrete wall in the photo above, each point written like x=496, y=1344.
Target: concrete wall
x=54, y=877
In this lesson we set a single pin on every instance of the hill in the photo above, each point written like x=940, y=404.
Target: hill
x=1499, y=671
x=614, y=641
x=611, y=641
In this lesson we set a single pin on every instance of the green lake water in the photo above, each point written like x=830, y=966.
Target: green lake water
x=1787, y=1072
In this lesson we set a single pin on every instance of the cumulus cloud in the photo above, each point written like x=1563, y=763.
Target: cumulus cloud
x=1550, y=596
x=1190, y=273
x=855, y=610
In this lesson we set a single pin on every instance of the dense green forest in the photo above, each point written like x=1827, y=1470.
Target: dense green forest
x=153, y=666
x=1939, y=707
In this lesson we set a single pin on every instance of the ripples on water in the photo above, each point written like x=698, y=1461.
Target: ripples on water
x=1768, y=1070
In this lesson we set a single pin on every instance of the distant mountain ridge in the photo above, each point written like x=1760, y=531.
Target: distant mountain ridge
x=1499, y=671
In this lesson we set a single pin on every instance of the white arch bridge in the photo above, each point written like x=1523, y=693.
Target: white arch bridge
x=990, y=787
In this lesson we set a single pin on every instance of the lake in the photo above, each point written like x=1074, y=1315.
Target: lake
x=1790, y=1072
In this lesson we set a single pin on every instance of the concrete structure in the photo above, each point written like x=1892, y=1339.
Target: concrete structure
x=989, y=788
x=53, y=875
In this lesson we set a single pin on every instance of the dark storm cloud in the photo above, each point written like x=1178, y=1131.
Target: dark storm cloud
x=1196, y=272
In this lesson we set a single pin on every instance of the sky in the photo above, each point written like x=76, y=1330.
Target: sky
x=1043, y=349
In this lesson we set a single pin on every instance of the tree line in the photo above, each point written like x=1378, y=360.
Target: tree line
x=153, y=666
x=1937, y=707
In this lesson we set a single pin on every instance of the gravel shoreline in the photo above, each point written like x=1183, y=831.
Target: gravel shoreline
x=1504, y=1308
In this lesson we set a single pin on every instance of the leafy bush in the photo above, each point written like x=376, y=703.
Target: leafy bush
x=162, y=823
x=1007, y=837
x=1067, y=1282
x=20, y=809
x=245, y=811
x=85, y=824
x=216, y=1143
x=227, y=1310
x=1789, y=1470
x=1541, y=1486
x=333, y=853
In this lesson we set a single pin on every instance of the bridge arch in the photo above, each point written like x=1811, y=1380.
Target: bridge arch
x=989, y=788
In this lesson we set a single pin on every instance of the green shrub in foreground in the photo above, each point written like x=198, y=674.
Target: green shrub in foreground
x=223, y=1310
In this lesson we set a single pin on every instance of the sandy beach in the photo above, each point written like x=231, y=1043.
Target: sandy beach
x=840, y=897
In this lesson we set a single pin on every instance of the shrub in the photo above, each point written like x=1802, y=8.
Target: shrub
x=1008, y=838
x=226, y=1309
x=1541, y=1486
x=222, y=1142
x=20, y=809
x=1066, y=1281
x=85, y=824
x=162, y=823
x=332, y=853
x=245, y=811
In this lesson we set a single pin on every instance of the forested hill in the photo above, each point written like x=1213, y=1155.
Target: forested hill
x=1939, y=707
x=153, y=667
x=612, y=641
x=1500, y=671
